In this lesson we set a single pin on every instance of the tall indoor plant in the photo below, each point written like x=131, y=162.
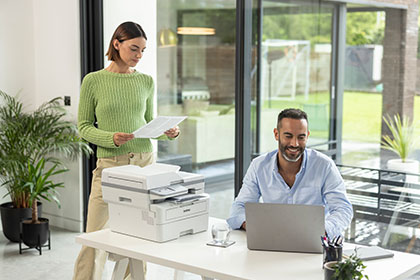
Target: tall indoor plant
x=38, y=184
x=27, y=138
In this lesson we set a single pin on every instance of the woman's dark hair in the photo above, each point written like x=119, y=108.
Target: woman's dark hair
x=125, y=31
x=291, y=113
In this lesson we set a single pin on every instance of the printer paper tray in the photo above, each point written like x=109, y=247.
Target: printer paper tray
x=165, y=192
x=185, y=198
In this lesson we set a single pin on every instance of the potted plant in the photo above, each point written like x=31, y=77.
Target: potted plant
x=402, y=143
x=349, y=269
x=38, y=184
x=26, y=138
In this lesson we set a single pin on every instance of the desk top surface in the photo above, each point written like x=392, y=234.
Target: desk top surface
x=190, y=253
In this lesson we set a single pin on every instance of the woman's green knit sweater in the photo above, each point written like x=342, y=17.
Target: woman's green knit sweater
x=121, y=103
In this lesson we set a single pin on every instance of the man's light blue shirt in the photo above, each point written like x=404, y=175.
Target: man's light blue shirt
x=318, y=182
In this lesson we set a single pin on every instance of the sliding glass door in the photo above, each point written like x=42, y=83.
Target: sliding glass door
x=196, y=78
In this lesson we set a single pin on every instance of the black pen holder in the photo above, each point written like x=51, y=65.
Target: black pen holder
x=332, y=253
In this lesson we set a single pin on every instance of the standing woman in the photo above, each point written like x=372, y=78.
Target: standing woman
x=122, y=101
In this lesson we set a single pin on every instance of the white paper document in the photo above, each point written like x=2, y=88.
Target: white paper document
x=158, y=126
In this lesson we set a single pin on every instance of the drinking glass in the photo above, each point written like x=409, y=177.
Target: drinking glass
x=220, y=233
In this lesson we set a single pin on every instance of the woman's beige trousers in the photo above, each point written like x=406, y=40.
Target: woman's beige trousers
x=90, y=262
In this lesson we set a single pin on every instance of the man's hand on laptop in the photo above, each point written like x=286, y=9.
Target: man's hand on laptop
x=243, y=226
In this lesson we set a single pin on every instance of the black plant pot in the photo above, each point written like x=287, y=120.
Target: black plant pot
x=11, y=218
x=329, y=270
x=35, y=234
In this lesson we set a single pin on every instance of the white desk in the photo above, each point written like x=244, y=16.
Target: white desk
x=190, y=253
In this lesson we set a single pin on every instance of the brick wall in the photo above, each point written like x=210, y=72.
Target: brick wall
x=399, y=62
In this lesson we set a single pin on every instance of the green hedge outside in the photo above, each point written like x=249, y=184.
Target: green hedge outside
x=361, y=113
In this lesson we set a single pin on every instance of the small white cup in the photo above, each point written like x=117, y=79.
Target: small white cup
x=220, y=233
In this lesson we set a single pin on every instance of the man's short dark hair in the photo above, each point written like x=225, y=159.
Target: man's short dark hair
x=292, y=113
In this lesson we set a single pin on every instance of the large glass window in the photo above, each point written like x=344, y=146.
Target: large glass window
x=381, y=213
x=363, y=87
x=295, y=66
x=196, y=78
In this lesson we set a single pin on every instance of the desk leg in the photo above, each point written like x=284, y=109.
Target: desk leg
x=120, y=269
x=137, y=270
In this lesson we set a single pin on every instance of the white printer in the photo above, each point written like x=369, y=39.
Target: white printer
x=157, y=202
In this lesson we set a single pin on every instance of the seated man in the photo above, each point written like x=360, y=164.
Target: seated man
x=294, y=174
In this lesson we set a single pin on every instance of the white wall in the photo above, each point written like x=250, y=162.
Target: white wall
x=17, y=47
x=57, y=51
x=57, y=73
x=16, y=52
x=40, y=55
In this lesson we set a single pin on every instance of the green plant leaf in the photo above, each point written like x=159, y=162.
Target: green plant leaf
x=403, y=139
x=351, y=268
x=30, y=140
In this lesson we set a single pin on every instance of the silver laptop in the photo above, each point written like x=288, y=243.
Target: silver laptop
x=284, y=227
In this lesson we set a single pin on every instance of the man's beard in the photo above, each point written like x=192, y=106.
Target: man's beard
x=283, y=149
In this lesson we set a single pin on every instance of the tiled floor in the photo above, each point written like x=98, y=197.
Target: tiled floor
x=58, y=262
x=54, y=264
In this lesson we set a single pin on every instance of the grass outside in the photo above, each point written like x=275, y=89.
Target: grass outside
x=361, y=114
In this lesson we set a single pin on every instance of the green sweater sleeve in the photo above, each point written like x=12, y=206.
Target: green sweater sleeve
x=86, y=117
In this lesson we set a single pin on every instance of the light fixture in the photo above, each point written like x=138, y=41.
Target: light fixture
x=167, y=38
x=196, y=31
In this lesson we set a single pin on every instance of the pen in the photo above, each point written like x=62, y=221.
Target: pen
x=330, y=242
x=324, y=243
x=339, y=241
